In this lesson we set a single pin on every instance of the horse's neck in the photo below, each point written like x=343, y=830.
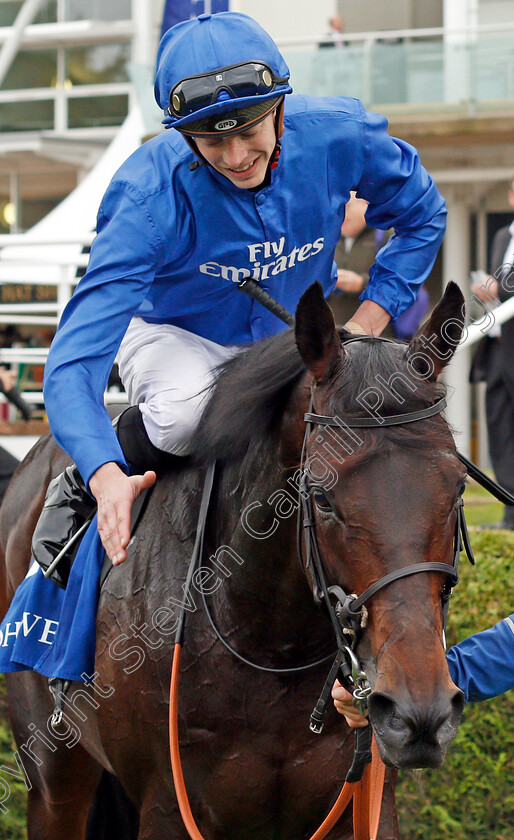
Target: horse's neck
x=265, y=603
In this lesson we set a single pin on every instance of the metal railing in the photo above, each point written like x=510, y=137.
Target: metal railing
x=110, y=100
x=18, y=256
x=409, y=69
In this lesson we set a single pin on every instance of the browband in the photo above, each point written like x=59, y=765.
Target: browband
x=377, y=422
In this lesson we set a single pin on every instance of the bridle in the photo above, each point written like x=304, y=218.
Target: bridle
x=347, y=613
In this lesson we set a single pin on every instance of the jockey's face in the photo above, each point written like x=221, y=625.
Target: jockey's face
x=242, y=158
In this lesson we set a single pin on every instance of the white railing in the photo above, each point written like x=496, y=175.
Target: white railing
x=72, y=33
x=418, y=70
x=59, y=36
x=19, y=253
x=498, y=316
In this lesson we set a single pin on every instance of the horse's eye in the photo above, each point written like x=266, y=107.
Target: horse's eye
x=322, y=502
x=460, y=491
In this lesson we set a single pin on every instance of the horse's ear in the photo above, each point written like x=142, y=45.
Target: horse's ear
x=435, y=343
x=316, y=336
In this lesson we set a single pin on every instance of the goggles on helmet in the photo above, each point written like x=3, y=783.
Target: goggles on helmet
x=250, y=78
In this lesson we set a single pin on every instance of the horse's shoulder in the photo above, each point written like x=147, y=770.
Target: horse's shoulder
x=163, y=533
x=175, y=502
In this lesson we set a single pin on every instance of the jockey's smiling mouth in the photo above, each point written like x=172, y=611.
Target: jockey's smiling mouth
x=242, y=158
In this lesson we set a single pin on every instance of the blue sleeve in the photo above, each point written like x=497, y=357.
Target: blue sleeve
x=482, y=666
x=122, y=266
x=401, y=195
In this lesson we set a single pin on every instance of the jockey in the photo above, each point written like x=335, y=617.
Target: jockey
x=252, y=181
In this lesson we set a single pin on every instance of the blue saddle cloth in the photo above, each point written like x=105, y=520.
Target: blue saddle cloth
x=52, y=630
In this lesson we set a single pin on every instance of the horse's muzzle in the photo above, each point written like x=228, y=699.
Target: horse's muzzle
x=410, y=734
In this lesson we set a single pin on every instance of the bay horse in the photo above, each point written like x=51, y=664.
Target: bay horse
x=387, y=498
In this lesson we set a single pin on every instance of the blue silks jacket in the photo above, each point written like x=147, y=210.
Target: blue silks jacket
x=483, y=665
x=173, y=241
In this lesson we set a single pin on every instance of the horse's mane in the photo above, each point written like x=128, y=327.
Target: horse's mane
x=251, y=391
x=248, y=398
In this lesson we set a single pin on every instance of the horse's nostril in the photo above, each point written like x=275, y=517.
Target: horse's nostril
x=418, y=721
x=458, y=702
x=383, y=712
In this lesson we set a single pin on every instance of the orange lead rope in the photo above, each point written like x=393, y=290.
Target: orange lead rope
x=366, y=794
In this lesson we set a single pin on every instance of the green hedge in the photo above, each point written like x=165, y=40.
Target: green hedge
x=472, y=795
x=12, y=821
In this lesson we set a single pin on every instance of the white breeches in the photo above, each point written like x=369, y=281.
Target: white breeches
x=166, y=371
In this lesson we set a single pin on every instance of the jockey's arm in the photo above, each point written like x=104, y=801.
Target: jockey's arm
x=115, y=493
x=401, y=195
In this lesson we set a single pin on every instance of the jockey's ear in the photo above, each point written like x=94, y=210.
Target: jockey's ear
x=436, y=341
x=316, y=336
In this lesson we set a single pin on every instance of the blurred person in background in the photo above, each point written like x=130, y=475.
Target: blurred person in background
x=336, y=28
x=8, y=462
x=493, y=362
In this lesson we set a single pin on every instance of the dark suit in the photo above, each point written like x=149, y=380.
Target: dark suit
x=359, y=258
x=494, y=363
x=8, y=464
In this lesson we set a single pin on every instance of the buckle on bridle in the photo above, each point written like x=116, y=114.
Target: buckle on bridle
x=352, y=621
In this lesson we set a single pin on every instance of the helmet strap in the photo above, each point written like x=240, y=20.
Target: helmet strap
x=196, y=151
x=279, y=120
x=279, y=130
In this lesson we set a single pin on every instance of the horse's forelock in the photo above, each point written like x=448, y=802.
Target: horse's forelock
x=375, y=378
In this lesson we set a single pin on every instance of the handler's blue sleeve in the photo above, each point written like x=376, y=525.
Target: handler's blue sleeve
x=482, y=666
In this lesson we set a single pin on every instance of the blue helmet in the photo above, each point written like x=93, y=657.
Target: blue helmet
x=218, y=73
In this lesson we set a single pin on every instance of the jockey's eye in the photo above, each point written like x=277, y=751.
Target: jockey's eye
x=321, y=501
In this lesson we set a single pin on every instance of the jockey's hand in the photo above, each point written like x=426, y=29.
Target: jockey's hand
x=115, y=493
x=343, y=701
x=369, y=319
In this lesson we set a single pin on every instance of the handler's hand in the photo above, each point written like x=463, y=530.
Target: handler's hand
x=343, y=701
x=115, y=493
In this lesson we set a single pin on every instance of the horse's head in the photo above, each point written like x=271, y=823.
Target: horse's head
x=388, y=498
